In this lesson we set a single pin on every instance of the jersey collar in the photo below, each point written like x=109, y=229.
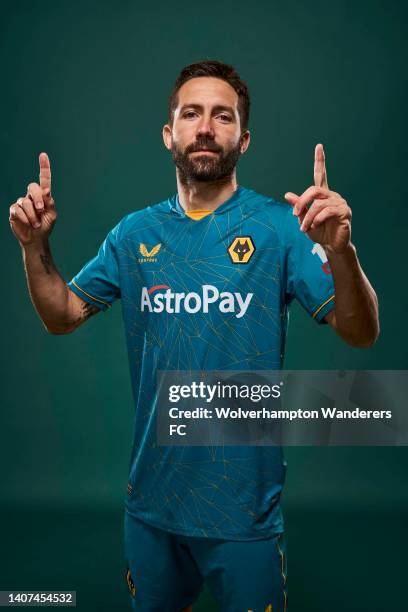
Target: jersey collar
x=175, y=206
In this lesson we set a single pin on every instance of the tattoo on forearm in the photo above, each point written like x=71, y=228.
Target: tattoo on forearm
x=87, y=310
x=46, y=262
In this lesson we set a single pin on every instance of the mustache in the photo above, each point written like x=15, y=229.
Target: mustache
x=202, y=144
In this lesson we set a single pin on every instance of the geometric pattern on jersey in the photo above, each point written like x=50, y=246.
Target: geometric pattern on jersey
x=161, y=263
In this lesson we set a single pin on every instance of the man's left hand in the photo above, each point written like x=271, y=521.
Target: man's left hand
x=323, y=214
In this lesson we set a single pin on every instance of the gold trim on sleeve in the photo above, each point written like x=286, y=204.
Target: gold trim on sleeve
x=91, y=296
x=316, y=312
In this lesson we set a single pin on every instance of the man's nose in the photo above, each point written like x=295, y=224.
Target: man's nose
x=205, y=128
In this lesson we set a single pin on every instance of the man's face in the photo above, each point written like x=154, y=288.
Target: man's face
x=205, y=139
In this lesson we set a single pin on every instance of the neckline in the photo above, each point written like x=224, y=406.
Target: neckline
x=176, y=206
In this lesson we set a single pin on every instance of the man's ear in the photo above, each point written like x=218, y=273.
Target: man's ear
x=167, y=136
x=245, y=140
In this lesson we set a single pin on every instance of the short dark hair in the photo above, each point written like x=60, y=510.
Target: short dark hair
x=213, y=68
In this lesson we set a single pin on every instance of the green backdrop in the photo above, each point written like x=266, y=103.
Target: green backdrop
x=88, y=83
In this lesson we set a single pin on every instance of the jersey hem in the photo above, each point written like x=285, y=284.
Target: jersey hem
x=209, y=534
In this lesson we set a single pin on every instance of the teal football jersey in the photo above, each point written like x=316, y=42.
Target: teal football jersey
x=204, y=295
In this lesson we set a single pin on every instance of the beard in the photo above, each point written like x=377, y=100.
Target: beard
x=205, y=168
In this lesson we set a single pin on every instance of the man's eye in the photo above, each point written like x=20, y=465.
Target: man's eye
x=189, y=114
x=225, y=117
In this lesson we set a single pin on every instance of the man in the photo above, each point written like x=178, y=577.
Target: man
x=205, y=278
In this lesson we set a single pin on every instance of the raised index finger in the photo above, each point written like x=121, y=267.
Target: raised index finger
x=45, y=171
x=320, y=174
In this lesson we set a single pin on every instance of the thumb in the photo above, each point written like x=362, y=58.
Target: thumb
x=292, y=198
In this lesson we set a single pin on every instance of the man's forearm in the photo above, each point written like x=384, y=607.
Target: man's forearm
x=48, y=291
x=356, y=304
x=32, y=219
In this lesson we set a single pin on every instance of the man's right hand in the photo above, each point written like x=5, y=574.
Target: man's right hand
x=33, y=216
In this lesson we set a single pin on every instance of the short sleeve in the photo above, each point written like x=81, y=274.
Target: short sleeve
x=309, y=278
x=98, y=281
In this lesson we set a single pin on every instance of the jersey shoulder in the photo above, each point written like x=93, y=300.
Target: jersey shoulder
x=142, y=219
x=274, y=214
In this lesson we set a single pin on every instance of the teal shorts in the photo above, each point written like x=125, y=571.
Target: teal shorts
x=166, y=571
